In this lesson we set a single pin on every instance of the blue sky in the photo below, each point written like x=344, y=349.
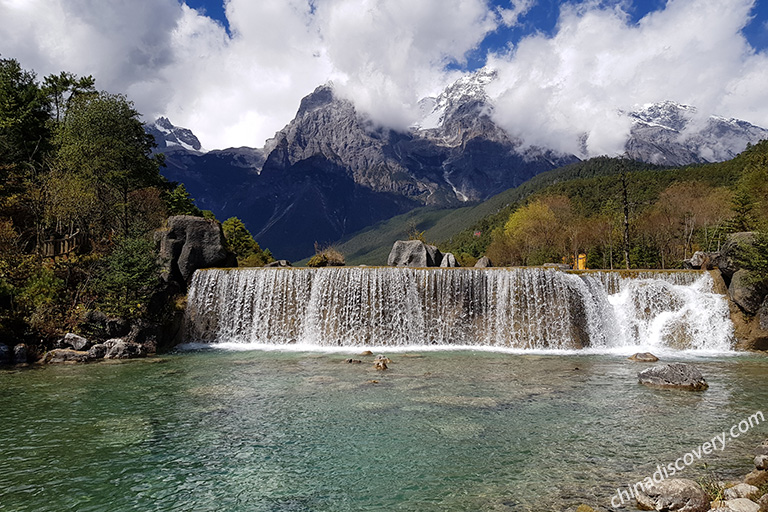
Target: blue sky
x=542, y=17
x=235, y=72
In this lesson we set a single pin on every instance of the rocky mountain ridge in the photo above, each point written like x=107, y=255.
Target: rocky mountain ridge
x=332, y=171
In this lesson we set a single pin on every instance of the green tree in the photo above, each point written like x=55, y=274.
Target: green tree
x=24, y=114
x=63, y=88
x=127, y=277
x=240, y=240
x=179, y=202
x=102, y=141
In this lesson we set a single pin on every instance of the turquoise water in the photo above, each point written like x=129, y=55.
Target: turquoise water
x=277, y=431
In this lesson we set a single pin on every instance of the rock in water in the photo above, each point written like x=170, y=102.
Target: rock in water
x=678, y=494
x=761, y=462
x=414, y=253
x=191, y=243
x=676, y=375
x=484, y=262
x=643, y=357
x=449, y=261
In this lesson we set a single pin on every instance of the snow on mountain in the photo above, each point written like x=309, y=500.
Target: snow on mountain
x=168, y=136
x=670, y=133
x=467, y=89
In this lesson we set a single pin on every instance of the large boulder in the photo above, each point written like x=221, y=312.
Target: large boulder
x=677, y=494
x=763, y=502
x=191, y=243
x=675, y=375
x=747, y=291
x=726, y=259
x=66, y=355
x=738, y=505
x=122, y=349
x=741, y=491
x=75, y=342
x=414, y=253
x=484, y=262
x=701, y=259
x=449, y=261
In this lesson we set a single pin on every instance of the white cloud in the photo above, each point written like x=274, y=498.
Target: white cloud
x=518, y=8
x=552, y=90
x=239, y=89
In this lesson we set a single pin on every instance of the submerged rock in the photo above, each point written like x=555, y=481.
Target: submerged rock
x=676, y=375
x=762, y=448
x=366, y=353
x=414, y=253
x=380, y=365
x=677, y=494
x=353, y=361
x=643, y=357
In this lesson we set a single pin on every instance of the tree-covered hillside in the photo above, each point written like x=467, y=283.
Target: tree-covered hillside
x=80, y=197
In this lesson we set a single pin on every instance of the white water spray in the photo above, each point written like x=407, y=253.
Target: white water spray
x=519, y=308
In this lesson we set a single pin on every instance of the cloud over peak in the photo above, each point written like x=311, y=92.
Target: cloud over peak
x=238, y=87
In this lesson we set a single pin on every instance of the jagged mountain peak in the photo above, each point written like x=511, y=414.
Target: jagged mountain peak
x=319, y=98
x=667, y=114
x=467, y=90
x=167, y=135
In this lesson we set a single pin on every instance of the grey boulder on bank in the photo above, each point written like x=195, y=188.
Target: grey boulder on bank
x=679, y=494
x=675, y=375
x=414, y=253
x=190, y=243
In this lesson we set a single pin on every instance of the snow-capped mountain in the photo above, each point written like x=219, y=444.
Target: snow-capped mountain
x=670, y=133
x=331, y=171
x=169, y=136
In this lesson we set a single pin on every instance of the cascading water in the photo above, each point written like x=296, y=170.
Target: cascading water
x=523, y=308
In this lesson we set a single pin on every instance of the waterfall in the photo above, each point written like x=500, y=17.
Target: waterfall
x=522, y=308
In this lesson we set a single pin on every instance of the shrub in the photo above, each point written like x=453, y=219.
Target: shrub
x=328, y=257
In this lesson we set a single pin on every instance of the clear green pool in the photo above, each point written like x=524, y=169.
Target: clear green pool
x=276, y=431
